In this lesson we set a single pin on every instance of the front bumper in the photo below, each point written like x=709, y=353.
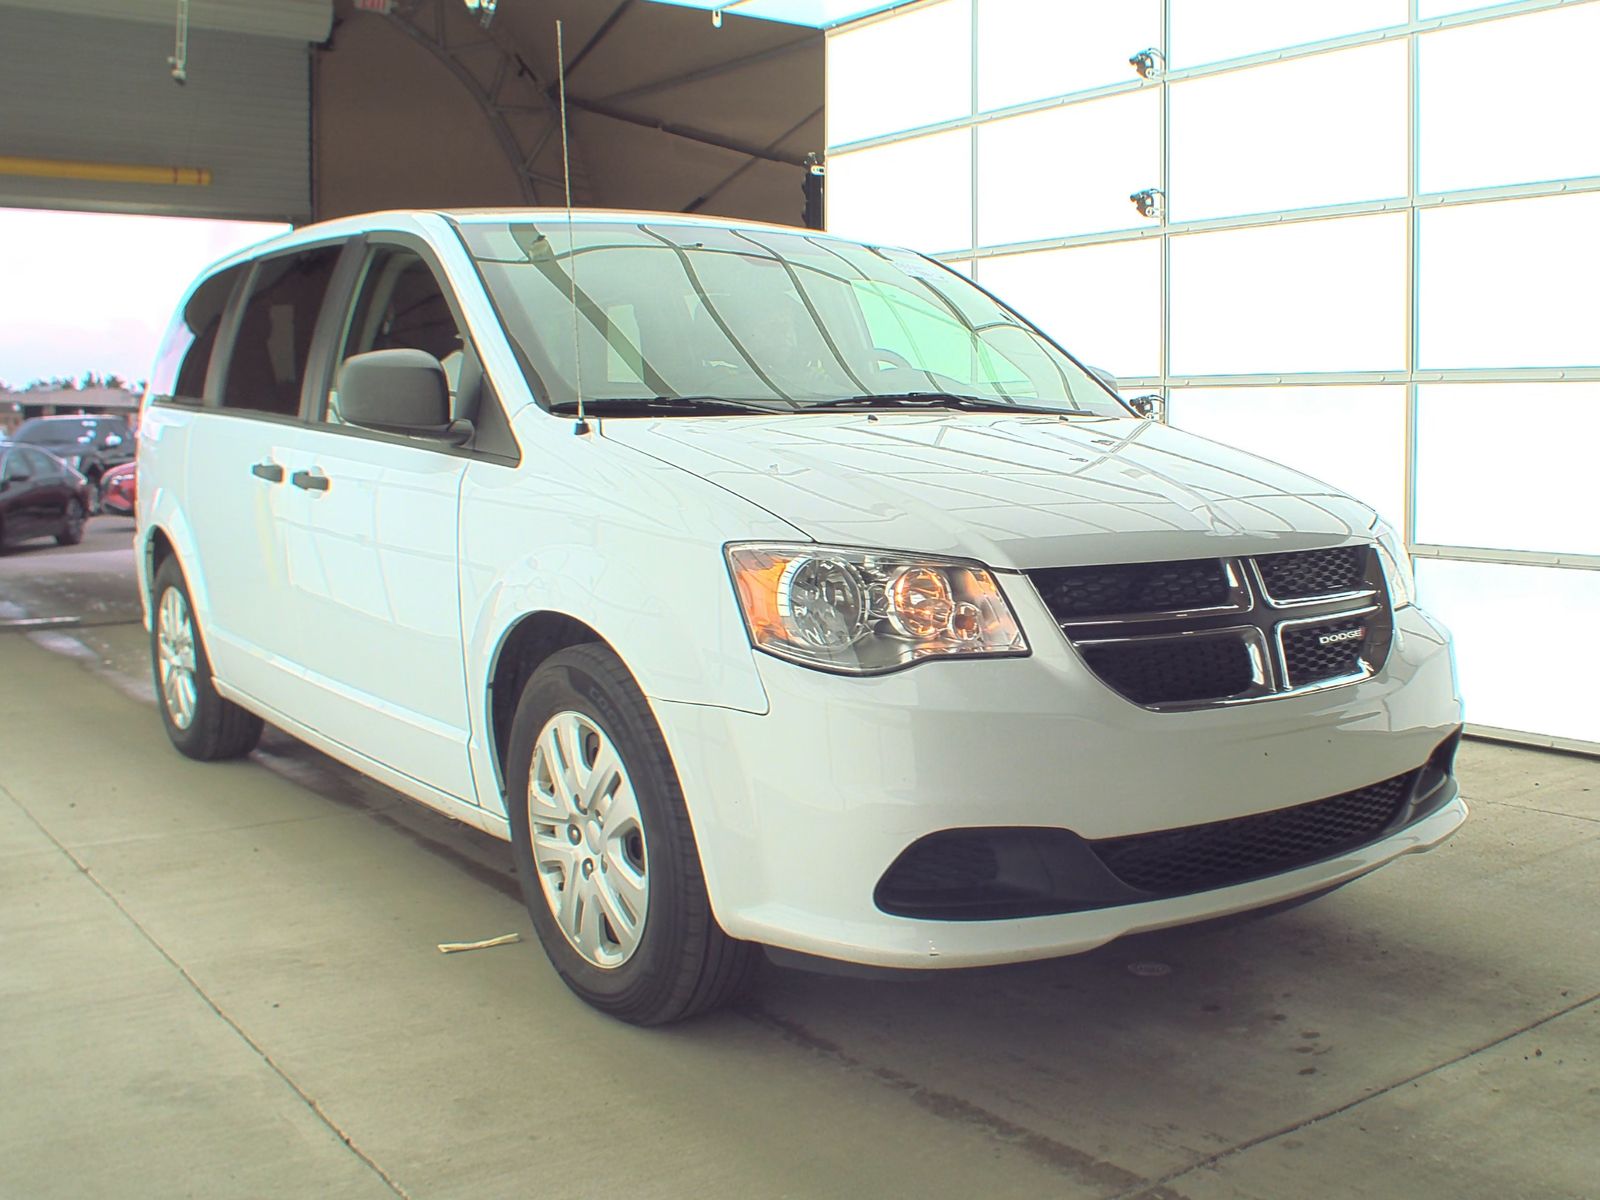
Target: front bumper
x=801, y=811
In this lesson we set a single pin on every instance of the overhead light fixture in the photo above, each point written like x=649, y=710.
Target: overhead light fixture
x=483, y=8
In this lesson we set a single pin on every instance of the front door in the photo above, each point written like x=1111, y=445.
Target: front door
x=370, y=537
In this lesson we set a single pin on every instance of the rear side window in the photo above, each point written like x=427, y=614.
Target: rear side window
x=268, y=362
x=180, y=370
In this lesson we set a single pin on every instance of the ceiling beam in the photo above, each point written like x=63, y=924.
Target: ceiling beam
x=711, y=193
x=600, y=109
x=715, y=69
x=600, y=34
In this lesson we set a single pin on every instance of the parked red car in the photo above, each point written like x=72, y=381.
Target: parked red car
x=117, y=489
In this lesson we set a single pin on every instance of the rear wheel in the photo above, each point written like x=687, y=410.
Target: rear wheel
x=72, y=524
x=200, y=722
x=607, y=858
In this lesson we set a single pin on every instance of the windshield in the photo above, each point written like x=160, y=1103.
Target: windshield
x=56, y=433
x=774, y=320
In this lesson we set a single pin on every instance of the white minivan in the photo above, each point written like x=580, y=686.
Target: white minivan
x=768, y=590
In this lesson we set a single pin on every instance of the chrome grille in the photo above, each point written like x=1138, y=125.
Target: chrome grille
x=1206, y=632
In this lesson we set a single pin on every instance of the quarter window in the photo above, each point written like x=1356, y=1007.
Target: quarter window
x=180, y=370
x=268, y=363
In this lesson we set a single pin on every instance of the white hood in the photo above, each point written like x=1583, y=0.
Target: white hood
x=1012, y=491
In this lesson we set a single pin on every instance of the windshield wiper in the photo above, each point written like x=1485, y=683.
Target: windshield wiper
x=941, y=400
x=637, y=406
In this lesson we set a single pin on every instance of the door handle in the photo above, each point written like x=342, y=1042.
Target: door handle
x=311, y=481
x=270, y=471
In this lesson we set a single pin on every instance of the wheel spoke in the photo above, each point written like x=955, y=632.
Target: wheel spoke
x=606, y=771
x=544, y=787
x=626, y=887
x=625, y=926
x=589, y=925
x=559, y=759
x=186, y=694
x=622, y=811
x=575, y=898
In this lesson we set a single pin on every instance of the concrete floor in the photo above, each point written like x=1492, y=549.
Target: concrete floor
x=222, y=981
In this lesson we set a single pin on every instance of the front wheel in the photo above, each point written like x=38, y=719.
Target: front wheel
x=200, y=722
x=603, y=846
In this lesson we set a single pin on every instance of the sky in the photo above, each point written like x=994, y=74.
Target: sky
x=94, y=292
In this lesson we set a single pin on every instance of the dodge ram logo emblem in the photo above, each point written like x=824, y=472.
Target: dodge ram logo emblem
x=1344, y=635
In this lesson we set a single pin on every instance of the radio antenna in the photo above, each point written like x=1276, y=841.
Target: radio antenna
x=582, y=426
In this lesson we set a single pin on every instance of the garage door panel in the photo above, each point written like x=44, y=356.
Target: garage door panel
x=81, y=89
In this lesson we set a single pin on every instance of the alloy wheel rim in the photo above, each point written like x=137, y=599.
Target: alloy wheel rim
x=588, y=839
x=175, y=657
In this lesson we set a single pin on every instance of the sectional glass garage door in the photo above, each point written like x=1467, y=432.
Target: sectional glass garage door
x=1365, y=245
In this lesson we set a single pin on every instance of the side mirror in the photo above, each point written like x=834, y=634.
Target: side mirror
x=399, y=391
x=1152, y=407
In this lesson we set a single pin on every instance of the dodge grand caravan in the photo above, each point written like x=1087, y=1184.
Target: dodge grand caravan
x=767, y=589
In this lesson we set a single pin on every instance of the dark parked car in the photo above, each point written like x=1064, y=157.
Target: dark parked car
x=40, y=496
x=118, y=489
x=90, y=444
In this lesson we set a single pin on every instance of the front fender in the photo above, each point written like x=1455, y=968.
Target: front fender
x=626, y=545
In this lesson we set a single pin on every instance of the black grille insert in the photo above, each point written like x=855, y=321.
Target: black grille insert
x=1127, y=589
x=1312, y=653
x=950, y=863
x=1202, y=857
x=1174, y=670
x=1301, y=574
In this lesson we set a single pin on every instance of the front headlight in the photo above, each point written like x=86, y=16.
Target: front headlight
x=863, y=612
x=1396, y=567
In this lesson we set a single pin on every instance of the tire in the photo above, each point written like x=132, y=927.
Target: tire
x=645, y=947
x=200, y=723
x=72, y=525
